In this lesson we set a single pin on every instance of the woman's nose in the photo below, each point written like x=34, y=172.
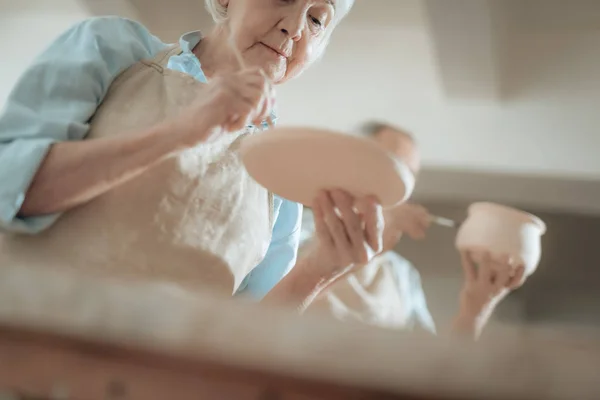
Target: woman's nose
x=294, y=36
x=293, y=26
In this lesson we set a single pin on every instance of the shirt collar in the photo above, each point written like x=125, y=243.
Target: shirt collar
x=190, y=40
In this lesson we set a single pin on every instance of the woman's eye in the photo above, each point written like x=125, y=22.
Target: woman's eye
x=316, y=21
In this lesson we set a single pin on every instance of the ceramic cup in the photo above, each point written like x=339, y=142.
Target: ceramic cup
x=501, y=230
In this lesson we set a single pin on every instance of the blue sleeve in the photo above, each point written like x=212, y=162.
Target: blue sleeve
x=282, y=252
x=55, y=98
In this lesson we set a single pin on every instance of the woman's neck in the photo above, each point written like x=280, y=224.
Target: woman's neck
x=215, y=54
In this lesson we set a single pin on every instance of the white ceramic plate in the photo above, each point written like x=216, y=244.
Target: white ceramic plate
x=295, y=163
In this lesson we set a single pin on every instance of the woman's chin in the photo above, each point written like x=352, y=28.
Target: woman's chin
x=275, y=73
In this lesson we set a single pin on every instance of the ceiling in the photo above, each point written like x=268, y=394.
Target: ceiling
x=501, y=94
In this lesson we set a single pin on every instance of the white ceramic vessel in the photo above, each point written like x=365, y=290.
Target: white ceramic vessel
x=502, y=230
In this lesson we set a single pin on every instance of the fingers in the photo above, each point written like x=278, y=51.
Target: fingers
x=420, y=224
x=268, y=104
x=469, y=268
x=352, y=224
x=321, y=229
x=422, y=216
x=517, y=279
x=411, y=219
x=254, y=101
x=256, y=81
x=349, y=229
x=372, y=215
x=485, y=269
x=240, y=110
x=261, y=112
x=500, y=272
x=502, y=268
x=243, y=113
x=271, y=102
x=336, y=228
x=250, y=98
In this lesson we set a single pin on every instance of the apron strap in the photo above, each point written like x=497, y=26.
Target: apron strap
x=159, y=62
x=162, y=59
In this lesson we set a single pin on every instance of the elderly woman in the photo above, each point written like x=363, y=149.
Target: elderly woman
x=118, y=157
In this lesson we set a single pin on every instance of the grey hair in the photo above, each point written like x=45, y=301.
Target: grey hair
x=216, y=10
x=372, y=128
x=219, y=13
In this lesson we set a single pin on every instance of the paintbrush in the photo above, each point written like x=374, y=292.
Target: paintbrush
x=242, y=65
x=445, y=222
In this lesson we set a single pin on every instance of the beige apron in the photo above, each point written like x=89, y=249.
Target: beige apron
x=196, y=219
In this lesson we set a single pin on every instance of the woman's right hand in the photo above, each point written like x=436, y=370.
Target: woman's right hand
x=487, y=281
x=407, y=218
x=229, y=103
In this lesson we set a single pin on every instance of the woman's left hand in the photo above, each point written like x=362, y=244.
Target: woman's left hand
x=348, y=232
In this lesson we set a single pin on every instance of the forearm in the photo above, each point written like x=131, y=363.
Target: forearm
x=466, y=326
x=74, y=173
x=470, y=323
x=301, y=286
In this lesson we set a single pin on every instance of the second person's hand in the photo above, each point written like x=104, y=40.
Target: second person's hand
x=487, y=281
x=408, y=218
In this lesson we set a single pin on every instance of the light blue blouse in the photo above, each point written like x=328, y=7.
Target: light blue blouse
x=57, y=95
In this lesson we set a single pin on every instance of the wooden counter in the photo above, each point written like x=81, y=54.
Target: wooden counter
x=66, y=337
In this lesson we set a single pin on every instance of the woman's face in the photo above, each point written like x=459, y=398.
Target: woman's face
x=281, y=36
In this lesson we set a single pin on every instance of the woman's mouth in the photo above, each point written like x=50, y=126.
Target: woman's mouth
x=274, y=51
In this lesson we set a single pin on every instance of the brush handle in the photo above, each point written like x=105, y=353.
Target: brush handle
x=445, y=222
x=241, y=65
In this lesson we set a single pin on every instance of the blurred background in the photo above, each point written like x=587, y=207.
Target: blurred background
x=502, y=96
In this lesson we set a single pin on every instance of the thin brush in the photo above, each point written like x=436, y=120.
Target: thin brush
x=242, y=65
x=445, y=222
